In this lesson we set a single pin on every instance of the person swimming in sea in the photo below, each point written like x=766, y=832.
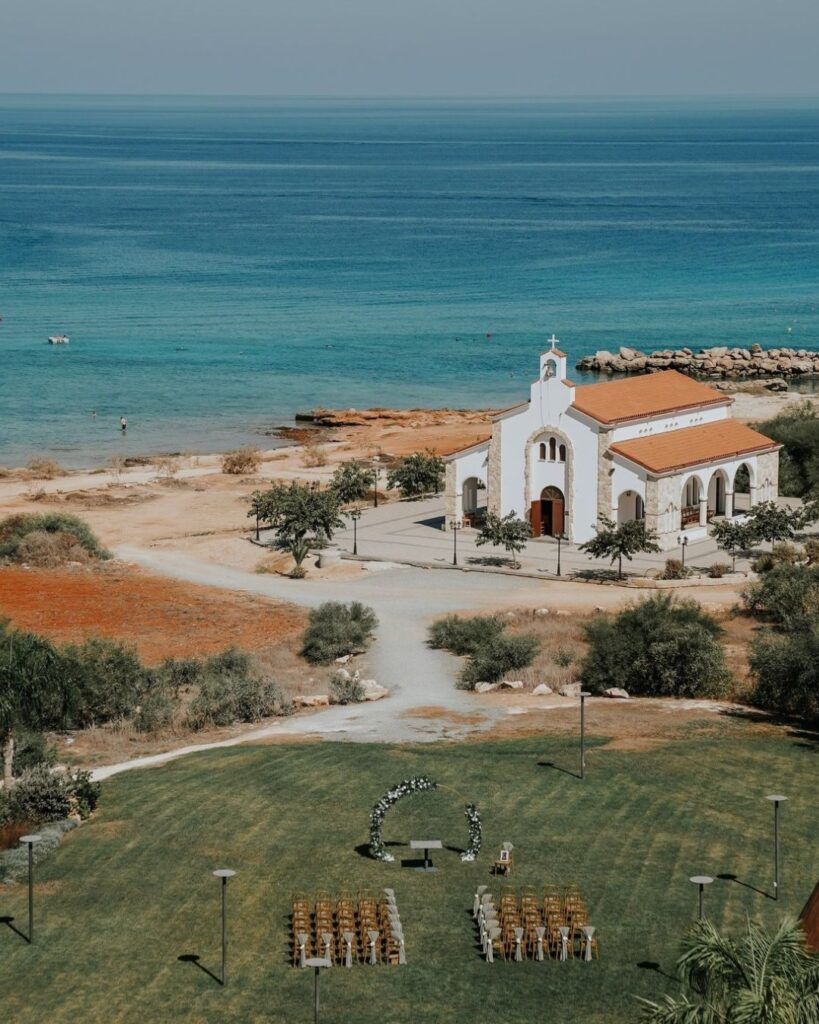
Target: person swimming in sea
x=123, y=424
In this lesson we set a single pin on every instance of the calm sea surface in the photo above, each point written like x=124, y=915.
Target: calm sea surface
x=220, y=264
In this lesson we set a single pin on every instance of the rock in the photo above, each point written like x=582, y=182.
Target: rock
x=486, y=687
x=542, y=690
x=603, y=356
x=512, y=684
x=719, y=352
x=542, y=611
x=343, y=659
x=776, y=385
x=628, y=353
x=342, y=673
x=376, y=692
x=616, y=692
x=570, y=690
x=562, y=611
x=319, y=700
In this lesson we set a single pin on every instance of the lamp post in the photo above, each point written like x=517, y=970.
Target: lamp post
x=455, y=528
x=583, y=695
x=375, y=485
x=30, y=841
x=355, y=515
x=224, y=874
x=683, y=542
x=257, y=526
x=776, y=799
x=701, y=881
x=559, y=539
x=317, y=963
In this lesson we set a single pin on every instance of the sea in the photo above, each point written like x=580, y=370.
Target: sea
x=223, y=263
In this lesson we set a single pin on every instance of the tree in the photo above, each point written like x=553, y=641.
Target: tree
x=352, y=481
x=732, y=537
x=617, y=542
x=417, y=475
x=297, y=510
x=798, y=430
x=658, y=647
x=299, y=549
x=772, y=522
x=26, y=671
x=507, y=532
x=786, y=672
x=758, y=979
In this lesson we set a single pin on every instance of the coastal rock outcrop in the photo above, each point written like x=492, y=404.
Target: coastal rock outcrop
x=718, y=362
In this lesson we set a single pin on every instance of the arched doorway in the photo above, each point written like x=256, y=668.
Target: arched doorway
x=742, y=488
x=630, y=506
x=548, y=513
x=717, y=489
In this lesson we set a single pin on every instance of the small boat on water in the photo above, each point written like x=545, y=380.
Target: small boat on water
x=58, y=339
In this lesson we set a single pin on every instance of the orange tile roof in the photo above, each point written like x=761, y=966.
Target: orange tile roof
x=650, y=394
x=466, y=447
x=691, y=446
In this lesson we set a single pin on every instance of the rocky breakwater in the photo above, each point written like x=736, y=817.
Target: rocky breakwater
x=715, y=363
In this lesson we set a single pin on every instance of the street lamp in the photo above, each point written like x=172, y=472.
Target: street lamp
x=317, y=962
x=376, y=467
x=583, y=695
x=355, y=515
x=559, y=539
x=683, y=541
x=776, y=800
x=701, y=881
x=455, y=528
x=30, y=841
x=224, y=874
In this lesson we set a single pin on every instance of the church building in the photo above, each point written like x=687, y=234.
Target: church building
x=660, y=447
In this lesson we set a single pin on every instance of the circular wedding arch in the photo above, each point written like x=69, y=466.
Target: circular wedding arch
x=418, y=784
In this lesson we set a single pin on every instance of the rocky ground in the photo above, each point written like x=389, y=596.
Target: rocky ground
x=717, y=363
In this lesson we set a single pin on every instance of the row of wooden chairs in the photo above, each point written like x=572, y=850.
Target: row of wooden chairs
x=346, y=928
x=539, y=925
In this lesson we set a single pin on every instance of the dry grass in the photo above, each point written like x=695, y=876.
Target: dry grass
x=241, y=461
x=313, y=455
x=44, y=469
x=562, y=647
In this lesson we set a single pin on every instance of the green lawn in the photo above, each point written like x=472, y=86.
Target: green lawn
x=131, y=891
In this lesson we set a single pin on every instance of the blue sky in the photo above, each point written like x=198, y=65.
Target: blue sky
x=412, y=47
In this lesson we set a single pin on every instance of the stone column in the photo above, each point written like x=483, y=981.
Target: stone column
x=729, y=504
x=453, y=499
x=703, y=510
x=493, y=476
x=604, y=471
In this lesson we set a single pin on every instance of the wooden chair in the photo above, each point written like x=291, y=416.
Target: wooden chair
x=505, y=862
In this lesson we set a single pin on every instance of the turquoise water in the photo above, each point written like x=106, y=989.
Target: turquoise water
x=221, y=264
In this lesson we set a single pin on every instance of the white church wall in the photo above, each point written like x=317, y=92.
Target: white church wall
x=677, y=421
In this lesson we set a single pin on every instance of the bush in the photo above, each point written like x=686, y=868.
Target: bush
x=564, y=656
x=353, y=481
x=157, y=711
x=786, y=672
x=30, y=750
x=223, y=700
x=346, y=689
x=84, y=792
x=499, y=654
x=463, y=636
x=14, y=529
x=338, y=629
x=39, y=795
x=417, y=475
x=49, y=550
x=812, y=550
x=241, y=461
x=787, y=594
x=177, y=674
x=798, y=430
x=674, y=570
x=44, y=469
x=102, y=680
x=659, y=647
x=718, y=569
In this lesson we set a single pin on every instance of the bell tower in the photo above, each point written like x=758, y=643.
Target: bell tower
x=552, y=363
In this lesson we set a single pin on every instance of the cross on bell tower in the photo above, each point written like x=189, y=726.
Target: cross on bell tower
x=553, y=362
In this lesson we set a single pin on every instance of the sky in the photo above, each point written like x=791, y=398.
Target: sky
x=412, y=47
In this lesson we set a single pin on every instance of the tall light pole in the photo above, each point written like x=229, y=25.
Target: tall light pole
x=683, y=543
x=776, y=799
x=455, y=528
x=559, y=539
x=355, y=515
x=375, y=485
x=30, y=841
x=316, y=962
x=224, y=874
x=701, y=881
x=583, y=695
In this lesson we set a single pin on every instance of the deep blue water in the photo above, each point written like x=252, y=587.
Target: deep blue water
x=221, y=264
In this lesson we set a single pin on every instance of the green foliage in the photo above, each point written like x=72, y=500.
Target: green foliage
x=100, y=680
x=85, y=793
x=786, y=672
x=39, y=795
x=352, y=481
x=32, y=749
x=798, y=430
x=299, y=550
x=787, y=594
x=462, y=636
x=508, y=532
x=616, y=542
x=345, y=689
x=15, y=529
x=482, y=638
x=497, y=656
x=659, y=647
x=762, y=978
x=772, y=522
x=156, y=711
x=565, y=656
x=336, y=629
x=417, y=475
x=733, y=537
x=225, y=699
x=297, y=510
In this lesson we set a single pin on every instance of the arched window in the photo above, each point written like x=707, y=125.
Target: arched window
x=562, y=451
x=542, y=451
x=552, y=449
x=639, y=508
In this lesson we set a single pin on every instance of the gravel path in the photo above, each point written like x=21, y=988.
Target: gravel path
x=405, y=601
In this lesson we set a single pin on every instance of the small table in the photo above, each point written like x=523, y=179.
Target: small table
x=426, y=845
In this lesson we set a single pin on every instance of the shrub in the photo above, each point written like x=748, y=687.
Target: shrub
x=223, y=700
x=564, y=656
x=84, y=792
x=345, y=689
x=39, y=795
x=659, y=647
x=157, y=711
x=812, y=550
x=786, y=672
x=44, y=469
x=30, y=750
x=241, y=461
x=49, y=550
x=787, y=594
x=14, y=529
x=313, y=454
x=176, y=674
x=353, y=481
x=336, y=629
x=674, y=570
x=417, y=475
x=718, y=569
x=101, y=679
x=764, y=562
x=496, y=656
x=463, y=636
x=798, y=430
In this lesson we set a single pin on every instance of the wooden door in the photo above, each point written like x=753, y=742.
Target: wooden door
x=535, y=519
x=556, y=525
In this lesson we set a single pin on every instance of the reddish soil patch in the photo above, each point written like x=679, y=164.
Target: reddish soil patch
x=160, y=617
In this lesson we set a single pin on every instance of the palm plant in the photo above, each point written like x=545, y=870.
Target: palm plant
x=757, y=979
